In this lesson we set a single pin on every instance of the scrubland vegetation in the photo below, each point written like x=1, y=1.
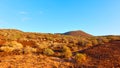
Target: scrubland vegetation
x=54, y=45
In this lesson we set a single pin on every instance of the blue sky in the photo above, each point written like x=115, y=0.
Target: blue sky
x=97, y=17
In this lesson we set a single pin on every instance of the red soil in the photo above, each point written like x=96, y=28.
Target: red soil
x=78, y=33
x=102, y=56
x=105, y=56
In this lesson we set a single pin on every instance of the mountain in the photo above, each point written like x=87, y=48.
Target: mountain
x=77, y=33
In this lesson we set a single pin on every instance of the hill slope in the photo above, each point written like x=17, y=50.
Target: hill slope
x=77, y=33
x=105, y=56
x=45, y=50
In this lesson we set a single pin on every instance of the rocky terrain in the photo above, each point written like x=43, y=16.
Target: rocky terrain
x=20, y=49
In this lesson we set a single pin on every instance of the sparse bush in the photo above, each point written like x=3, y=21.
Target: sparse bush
x=82, y=42
x=79, y=58
x=88, y=43
x=42, y=45
x=112, y=38
x=100, y=41
x=28, y=50
x=105, y=40
x=48, y=51
x=67, y=52
x=6, y=49
x=94, y=42
x=11, y=46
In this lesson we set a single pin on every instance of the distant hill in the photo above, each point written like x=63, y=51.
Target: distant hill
x=77, y=33
x=10, y=30
x=16, y=31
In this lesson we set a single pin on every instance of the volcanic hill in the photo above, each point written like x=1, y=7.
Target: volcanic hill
x=77, y=33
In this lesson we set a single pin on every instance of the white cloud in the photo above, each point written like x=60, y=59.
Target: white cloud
x=23, y=17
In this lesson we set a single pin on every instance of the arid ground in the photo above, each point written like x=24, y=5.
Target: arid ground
x=39, y=50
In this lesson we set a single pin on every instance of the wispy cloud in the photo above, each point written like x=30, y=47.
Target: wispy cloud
x=24, y=14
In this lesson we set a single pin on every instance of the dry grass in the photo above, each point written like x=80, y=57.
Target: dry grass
x=52, y=45
x=11, y=46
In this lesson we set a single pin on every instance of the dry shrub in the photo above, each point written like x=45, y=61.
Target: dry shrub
x=67, y=52
x=94, y=42
x=88, y=43
x=28, y=50
x=102, y=40
x=105, y=40
x=6, y=49
x=14, y=44
x=42, y=45
x=48, y=51
x=112, y=38
x=80, y=58
x=82, y=42
x=11, y=46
